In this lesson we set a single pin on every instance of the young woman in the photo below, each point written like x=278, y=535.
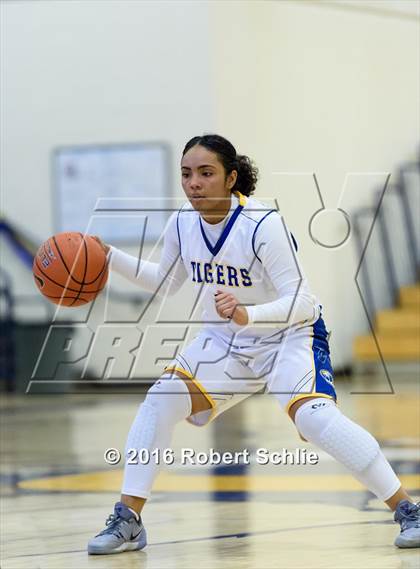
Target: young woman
x=262, y=328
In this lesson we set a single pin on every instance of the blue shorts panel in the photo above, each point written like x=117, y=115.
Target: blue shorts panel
x=324, y=378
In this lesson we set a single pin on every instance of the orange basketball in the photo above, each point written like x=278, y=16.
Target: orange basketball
x=70, y=269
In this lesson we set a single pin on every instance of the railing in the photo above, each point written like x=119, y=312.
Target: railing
x=7, y=345
x=25, y=249
x=387, y=237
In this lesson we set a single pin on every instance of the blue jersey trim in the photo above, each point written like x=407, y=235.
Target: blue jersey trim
x=220, y=242
x=255, y=231
x=177, y=230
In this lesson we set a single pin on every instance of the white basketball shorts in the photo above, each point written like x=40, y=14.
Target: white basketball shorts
x=291, y=365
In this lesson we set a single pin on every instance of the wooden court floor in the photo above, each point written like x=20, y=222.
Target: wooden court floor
x=57, y=489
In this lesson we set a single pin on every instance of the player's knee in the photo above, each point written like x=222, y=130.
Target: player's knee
x=167, y=402
x=320, y=422
x=170, y=399
x=314, y=416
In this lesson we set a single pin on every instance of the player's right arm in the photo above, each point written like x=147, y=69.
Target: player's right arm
x=167, y=276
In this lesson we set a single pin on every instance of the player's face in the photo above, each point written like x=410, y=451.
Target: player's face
x=204, y=180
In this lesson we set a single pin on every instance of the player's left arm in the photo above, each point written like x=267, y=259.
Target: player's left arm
x=275, y=250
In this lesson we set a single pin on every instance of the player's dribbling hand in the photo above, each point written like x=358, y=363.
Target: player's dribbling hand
x=227, y=306
x=104, y=246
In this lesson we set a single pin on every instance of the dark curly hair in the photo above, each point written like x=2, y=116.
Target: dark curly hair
x=226, y=153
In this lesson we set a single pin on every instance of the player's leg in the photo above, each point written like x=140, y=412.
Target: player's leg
x=394, y=498
x=171, y=399
x=320, y=422
x=310, y=401
x=137, y=480
x=201, y=383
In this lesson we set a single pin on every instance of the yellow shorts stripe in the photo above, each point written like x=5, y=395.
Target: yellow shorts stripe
x=200, y=387
x=306, y=396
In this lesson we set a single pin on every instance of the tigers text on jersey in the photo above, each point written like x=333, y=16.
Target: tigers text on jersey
x=250, y=253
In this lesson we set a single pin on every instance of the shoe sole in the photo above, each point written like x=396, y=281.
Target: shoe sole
x=407, y=543
x=138, y=544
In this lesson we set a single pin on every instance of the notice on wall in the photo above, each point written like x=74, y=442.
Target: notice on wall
x=119, y=192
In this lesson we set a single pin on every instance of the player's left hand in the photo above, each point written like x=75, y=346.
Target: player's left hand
x=227, y=306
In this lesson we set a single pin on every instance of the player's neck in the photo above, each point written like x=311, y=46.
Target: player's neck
x=219, y=213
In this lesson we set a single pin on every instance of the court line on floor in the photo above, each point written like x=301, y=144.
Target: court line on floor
x=85, y=532
x=168, y=482
x=239, y=535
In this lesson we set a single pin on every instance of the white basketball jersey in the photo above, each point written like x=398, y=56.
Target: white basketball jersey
x=237, y=256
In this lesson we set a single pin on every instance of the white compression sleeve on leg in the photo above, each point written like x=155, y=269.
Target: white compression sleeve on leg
x=379, y=477
x=168, y=401
x=323, y=424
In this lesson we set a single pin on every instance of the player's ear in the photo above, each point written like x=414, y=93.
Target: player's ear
x=231, y=179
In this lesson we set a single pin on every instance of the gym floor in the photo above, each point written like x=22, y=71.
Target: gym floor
x=57, y=490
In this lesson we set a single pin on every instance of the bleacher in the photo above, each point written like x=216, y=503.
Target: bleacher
x=388, y=240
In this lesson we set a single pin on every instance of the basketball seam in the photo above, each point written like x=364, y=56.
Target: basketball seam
x=63, y=285
x=104, y=266
x=84, y=270
x=62, y=259
x=66, y=296
x=73, y=291
x=67, y=269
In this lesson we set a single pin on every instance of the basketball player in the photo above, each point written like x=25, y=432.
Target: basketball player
x=263, y=328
